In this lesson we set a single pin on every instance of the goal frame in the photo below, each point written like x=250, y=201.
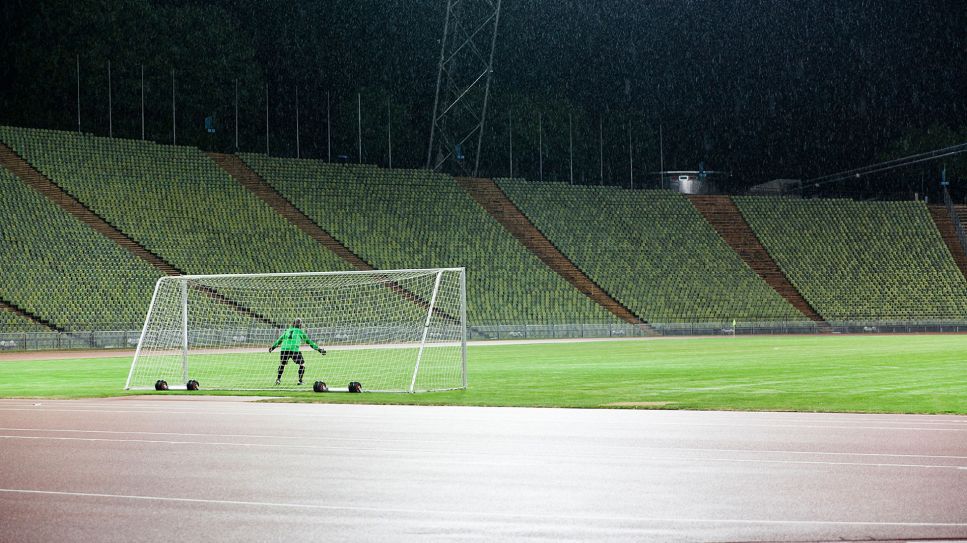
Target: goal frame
x=185, y=347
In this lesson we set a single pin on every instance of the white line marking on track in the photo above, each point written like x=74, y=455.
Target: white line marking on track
x=569, y=518
x=724, y=416
x=343, y=415
x=454, y=442
x=424, y=452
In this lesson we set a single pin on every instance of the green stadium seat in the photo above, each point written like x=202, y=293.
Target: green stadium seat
x=60, y=269
x=417, y=219
x=652, y=251
x=175, y=201
x=12, y=322
x=856, y=261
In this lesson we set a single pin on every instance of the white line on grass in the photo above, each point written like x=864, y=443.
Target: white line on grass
x=424, y=452
x=423, y=512
x=20, y=356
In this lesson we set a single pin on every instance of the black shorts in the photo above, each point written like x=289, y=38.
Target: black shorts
x=296, y=357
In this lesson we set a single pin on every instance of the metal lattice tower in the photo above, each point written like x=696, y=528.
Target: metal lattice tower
x=463, y=85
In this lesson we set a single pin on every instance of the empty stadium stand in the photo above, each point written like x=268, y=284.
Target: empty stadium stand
x=948, y=232
x=27, y=173
x=492, y=199
x=652, y=251
x=90, y=223
x=60, y=269
x=174, y=201
x=414, y=218
x=861, y=260
x=12, y=319
x=722, y=213
x=239, y=170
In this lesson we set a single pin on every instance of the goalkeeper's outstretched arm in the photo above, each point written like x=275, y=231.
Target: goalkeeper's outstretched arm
x=314, y=345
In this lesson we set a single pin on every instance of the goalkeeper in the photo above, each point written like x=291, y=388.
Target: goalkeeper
x=291, y=340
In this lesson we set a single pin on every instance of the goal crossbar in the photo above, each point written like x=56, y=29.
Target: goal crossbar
x=310, y=274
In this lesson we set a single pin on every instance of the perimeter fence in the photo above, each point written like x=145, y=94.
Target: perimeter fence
x=12, y=340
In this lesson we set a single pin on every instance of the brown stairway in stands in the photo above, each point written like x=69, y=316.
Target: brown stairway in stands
x=722, y=213
x=486, y=193
x=254, y=182
x=241, y=172
x=949, y=234
x=41, y=183
x=17, y=310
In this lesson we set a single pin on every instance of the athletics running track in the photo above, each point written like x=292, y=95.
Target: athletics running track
x=224, y=469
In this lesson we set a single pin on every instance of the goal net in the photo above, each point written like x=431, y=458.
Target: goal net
x=390, y=330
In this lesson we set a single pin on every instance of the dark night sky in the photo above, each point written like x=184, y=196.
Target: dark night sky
x=760, y=88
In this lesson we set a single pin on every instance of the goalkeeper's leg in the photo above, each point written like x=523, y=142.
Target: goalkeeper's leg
x=283, y=358
x=302, y=366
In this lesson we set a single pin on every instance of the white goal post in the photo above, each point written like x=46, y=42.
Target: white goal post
x=389, y=330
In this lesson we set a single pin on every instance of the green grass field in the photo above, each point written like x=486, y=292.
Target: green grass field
x=899, y=374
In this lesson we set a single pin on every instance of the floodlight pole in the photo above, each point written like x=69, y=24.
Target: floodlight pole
x=236, y=114
x=661, y=154
x=359, y=124
x=266, y=119
x=389, y=134
x=297, y=147
x=570, y=145
x=483, y=112
x=601, y=150
x=510, y=137
x=439, y=78
x=78, y=94
x=540, y=146
x=462, y=92
x=631, y=158
x=142, y=101
x=174, y=120
x=110, y=107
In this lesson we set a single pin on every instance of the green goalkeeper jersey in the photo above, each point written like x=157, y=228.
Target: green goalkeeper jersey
x=292, y=339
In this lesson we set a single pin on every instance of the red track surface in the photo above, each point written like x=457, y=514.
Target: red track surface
x=188, y=470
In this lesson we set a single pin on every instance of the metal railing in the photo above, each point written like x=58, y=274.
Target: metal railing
x=57, y=341
x=127, y=340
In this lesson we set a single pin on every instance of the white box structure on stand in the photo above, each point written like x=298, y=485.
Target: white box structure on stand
x=390, y=330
